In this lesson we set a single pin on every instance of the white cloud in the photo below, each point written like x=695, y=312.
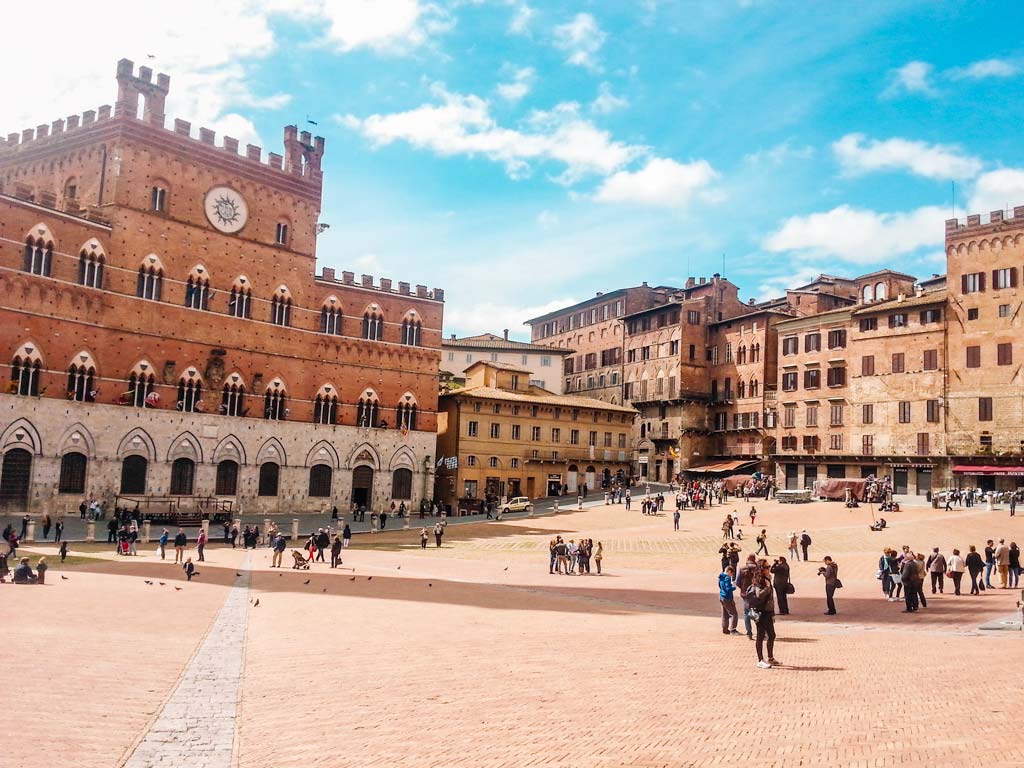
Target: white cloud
x=521, y=18
x=547, y=220
x=997, y=190
x=772, y=287
x=462, y=125
x=980, y=70
x=912, y=77
x=859, y=236
x=383, y=25
x=662, y=182
x=519, y=85
x=606, y=101
x=778, y=154
x=582, y=39
x=492, y=317
x=857, y=155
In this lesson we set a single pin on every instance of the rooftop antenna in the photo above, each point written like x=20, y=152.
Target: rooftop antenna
x=952, y=187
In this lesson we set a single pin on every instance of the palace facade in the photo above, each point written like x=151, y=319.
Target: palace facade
x=168, y=339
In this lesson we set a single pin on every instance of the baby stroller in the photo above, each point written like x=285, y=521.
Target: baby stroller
x=123, y=547
x=300, y=561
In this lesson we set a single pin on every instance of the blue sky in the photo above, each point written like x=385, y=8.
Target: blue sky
x=524, y=155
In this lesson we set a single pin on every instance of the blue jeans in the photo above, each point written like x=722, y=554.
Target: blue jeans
x=1014, y=576
x=746, y=619
x=989, y=567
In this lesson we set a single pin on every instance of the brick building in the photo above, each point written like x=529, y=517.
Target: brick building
x=166, y=334
x=512, y=438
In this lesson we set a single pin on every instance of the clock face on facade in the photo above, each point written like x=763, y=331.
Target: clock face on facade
x=226, y=209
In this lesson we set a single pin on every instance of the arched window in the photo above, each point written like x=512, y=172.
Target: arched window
x=190, y=392
x=183, y=474
x=39, y=251
x=25, y=370
x=493, y=462
x=411, y=328
x=72, y=473
x=741, y=355
x=158, y=198
x=281, y=307
x=471, y=461
x=197, y=288
x=82, y=378
x=133, y=474
x=368, y=410
x=150, y=282
x=325, y=406
x=868, y=293
x=741, y=389
x=232, y=398
x=240, y=299
x=91, y=260
x=755, y=353
x=269, y=474
x=406, y=413
x=401, y=484
x=227, y=478
x=880, y=291
x=140, y=392
x=320, y=477
x=274, y=401
x=330, y=316
x=373, y=323
x=753, y=387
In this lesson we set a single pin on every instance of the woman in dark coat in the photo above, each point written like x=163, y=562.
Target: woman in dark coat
x=975, y=565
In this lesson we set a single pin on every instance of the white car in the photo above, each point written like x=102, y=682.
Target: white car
x=516, y=504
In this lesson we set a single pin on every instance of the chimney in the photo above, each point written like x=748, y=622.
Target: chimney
x=506, y=334
x=453, y=337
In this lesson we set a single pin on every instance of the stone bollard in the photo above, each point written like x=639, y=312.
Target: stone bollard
x=607, y=499
x=295, y=529
x=556, y=506
x=579, y=502
x=147, y=531
x=90, y=531
x=529, y=510
x=30, y=534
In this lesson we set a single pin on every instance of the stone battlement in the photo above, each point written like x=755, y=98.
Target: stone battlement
x=995, y=217
x=385, y=285
x=303, y=153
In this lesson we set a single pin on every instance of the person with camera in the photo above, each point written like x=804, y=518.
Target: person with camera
x=762, y=612
x=744, y=581
x=781, y=584
x=831, y=573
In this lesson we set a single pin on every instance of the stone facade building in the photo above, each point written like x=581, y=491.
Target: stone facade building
x=544, y=361
x=166, y=336
x=512, y=438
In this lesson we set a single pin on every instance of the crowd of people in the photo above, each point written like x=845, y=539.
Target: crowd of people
x=571, y=558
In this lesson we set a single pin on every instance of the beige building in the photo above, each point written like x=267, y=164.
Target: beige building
x=512, y=438
x=545, y=362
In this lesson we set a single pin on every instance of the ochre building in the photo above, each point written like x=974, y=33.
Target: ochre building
x=166, y=335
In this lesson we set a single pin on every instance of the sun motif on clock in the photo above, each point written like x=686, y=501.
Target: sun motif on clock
x=226, y=209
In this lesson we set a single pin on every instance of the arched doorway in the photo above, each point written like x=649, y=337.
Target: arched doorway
x=15, y=479
x=362, y=486
x=591, y=478
x=572, y=478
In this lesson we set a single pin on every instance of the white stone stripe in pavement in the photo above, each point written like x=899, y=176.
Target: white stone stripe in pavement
x=197, y=725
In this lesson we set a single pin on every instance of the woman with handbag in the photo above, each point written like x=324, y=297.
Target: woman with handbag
x=956, y=570
x=763, y=612
x=975, y=565
x=781, y=584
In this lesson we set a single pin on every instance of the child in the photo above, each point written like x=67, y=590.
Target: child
x=41, y=567
x=63, y=551
x=190, y=568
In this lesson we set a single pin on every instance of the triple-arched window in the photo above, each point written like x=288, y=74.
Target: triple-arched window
x=150, y=282
x=411, y=329
x=82, y=378
x=368, y=409
x=274, y=401
x=25, y=369
x=232, y=397
x=373, y=323
x=330, y=316
x=325, y=406
x=190, y=392
x=39, y=251
x=141, y=381
x=197, y=288
x=91, y=260
x=240, y=298
x=405, y=418
x=281, y=307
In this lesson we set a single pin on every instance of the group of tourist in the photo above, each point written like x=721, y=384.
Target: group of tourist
x=23, y=573
x=570, y=558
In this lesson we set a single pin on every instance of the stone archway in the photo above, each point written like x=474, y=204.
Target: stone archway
x=15, y=480
x=362, y=486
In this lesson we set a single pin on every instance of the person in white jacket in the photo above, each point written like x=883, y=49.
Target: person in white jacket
x=956, y=566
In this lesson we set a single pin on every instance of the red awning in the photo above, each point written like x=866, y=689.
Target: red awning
x=721, y=466
x=972, y=469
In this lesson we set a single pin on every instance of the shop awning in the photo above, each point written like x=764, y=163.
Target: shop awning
x=979, y=469
x=721, y=466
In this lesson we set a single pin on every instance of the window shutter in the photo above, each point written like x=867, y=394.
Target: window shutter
x=1013, y=277
x=995, y=277
x=981, y=281
x=963, y=283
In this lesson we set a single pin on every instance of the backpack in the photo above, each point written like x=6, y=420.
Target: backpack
x=805, y=540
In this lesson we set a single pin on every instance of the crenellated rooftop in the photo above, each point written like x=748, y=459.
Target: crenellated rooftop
x=385, y=285
x=303, y=153
x=995, y=217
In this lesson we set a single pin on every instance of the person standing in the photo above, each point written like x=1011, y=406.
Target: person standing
x=323, y=541
x=805, y=542
x=1013, y=505
x=190, y=569
x=990, y=562
x=753, y=516
x=58, y=531
x=47, y=524
x=956, y=570
x=598, y=556
x=936, y=565
x=909, y=575
x=82, y=508
x=922, y=575
x=162, y=544
x=201, y=545
x=180, y=540
x=675, y=519
x=628, y=498
x=346, y=536
x=1014, y=564
x=63, y=551
x=744, y=582
x=24, y=526
x=336, y=552
x=762, y=602
x=794, y=541
x=1001, y=553
x=423, y=537
x=726, y=588
x=780, y=582
x=975, y=565
x=831, y=573
x=439, y=533
x=279, y=547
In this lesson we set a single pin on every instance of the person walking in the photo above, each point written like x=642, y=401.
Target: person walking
x=975, y=565
x=753, y=516
x=598, y=556
x=346, y=536
x=909, y=574
x=323, y=541
x=764, y=608
x=63, y=551
x=936, y=565
x=438, y=534
x=726, y=588
x=201, y=545
x=162, y=544
x=831, y=573
x=794, y=542
x=990, y=562
x=762, y=543
x=180, y=540
x=47, y=524
x=1014, y=564
x=336, y=552
x=58, y=531
x=744, y=581
x=423, y=537
x=781, y=584
x=956, y=570
x=279, y=547
x=922, y=576
x=805, y=542
x=1001, y=553
x=675, y=519
x=190, y=569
